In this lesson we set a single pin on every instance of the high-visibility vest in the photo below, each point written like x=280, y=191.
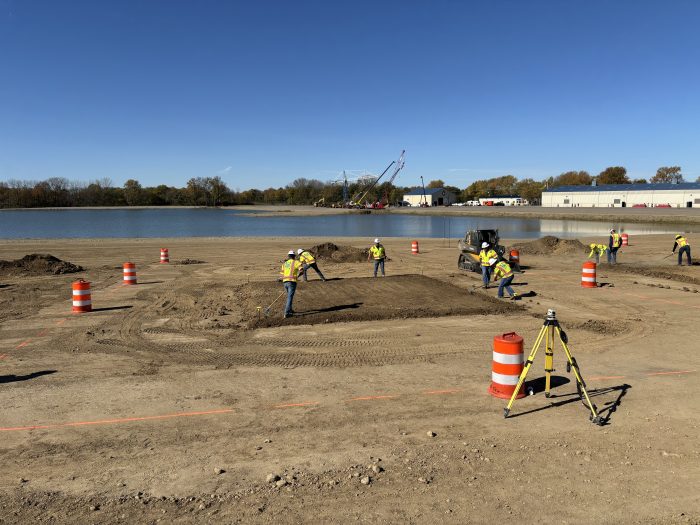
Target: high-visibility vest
x=377, y=252
x=681, y=242
x=290, y=270
x=487, y=256
x=600, y=248
x=617, y=240
x=502, y=270
x=307, y=258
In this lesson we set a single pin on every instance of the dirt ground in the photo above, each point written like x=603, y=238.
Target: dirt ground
x=179, y=401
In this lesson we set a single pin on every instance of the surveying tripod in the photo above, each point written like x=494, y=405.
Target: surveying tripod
x=550, y=326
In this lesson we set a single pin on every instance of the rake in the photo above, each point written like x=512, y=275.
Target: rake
x=267, y=310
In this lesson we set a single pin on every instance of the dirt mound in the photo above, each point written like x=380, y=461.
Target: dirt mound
x=551, y=245
x=38, y=264
x=332, y=252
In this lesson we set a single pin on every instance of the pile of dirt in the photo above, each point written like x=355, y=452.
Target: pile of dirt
x=551, y=245
x=38, y=264
x=342, y=254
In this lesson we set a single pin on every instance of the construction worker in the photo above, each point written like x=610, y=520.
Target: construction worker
x=486, y=255
x=378, y=253
x=503, y=271
x=291, y=270
x=614, y=243
x=683, y=246
x=597, y=250
x=308, y=261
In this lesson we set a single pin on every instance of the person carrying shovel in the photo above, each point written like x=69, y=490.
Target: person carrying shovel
x=291, y=270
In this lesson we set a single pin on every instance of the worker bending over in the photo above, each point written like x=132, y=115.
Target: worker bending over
x=503, y=271
x=378, y=253
x=486, y=255
x=291, y=270
x=683, y=246
x=614, y=243
x=308, y=261
x=597, y=250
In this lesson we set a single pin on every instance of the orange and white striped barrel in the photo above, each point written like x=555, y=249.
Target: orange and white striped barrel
x=129, y=273
x=508, y=362
x=414, y=248
x=164, y=256
x=625, y=239
x=82, y=300
x=515, y=256
x=588, y=277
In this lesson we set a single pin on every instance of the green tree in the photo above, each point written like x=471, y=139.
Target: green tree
x=639, y=181
x=437, y=183
x=667, y=174
x=133, y=192
x=613, y=175
x=530, y=189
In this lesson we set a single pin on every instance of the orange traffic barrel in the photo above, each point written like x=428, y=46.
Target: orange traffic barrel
x=129, y=273
x=164, y=257
x=508, y=359
x=82, y=300
x=515, y=256
x=625, y=239
x=414, y=248
x=588, y=277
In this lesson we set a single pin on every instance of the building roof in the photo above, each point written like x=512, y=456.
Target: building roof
x=662, y=186
x=428, y=191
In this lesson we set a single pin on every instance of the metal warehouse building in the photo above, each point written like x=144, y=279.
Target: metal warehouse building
x=433, y=197
x=681, y=195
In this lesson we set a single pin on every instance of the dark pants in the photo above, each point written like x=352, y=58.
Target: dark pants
x=505, y=283
x=378, y=263
x=612, y=255
x=290, y=287
x=315, y=267
x=486, y=275
x=685, y=249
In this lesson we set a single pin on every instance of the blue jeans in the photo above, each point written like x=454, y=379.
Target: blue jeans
x=685, y=249
x=315, y=267
x=612, y=255
x=378, y=263
x=505, y=283
x=486, y=275
x=290, y=287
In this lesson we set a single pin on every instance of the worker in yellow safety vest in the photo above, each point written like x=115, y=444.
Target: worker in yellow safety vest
x=596, y=251
x=614, y=243
x=487, y=257
x=290, y=272
x=378, y=253
x=308, y=261
x=503, y=272
x=684, y=247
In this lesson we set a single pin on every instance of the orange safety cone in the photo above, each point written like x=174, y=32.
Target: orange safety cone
x=82, y=299
x=129, y=273
x=625, y=239
x=414, y=248
x=507, y=365
x=164, y=256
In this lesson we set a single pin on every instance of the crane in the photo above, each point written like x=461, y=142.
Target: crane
x=399, y=166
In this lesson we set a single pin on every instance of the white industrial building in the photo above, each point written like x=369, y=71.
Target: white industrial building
x=681, y=195
x=433, y=197
x=507, y=200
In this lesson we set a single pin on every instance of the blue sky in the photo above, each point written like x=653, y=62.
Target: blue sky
x=264, y=92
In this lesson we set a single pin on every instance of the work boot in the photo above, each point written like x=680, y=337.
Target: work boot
x=514, y=297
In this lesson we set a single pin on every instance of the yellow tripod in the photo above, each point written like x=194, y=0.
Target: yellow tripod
x=549, y=328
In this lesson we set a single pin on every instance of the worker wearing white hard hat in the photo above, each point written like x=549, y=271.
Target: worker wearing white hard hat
x=486, y=255
x=614, y=243
x=307, y=259
x=378, y=254
x=290, y=272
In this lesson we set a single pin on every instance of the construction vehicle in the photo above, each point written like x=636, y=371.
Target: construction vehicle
x=470, y=247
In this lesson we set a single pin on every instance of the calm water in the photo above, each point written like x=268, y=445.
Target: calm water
x=184, y=222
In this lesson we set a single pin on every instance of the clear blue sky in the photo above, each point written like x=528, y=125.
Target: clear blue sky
x=265, y=92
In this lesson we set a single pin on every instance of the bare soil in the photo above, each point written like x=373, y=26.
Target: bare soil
x=329, y=251
x=172, y=402
x=38, y=264
x=551, y=245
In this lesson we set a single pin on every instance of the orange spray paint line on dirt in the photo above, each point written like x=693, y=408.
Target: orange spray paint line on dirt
x=671, y=373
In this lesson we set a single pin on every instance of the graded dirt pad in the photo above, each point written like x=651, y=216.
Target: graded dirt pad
x=551, y=245
x=331, y=252
x=680, y=274
x=38, y=264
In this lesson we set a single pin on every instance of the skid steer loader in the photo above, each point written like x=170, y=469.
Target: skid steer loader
x=470, y=247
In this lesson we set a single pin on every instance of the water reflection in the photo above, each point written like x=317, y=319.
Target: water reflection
x=82, y=223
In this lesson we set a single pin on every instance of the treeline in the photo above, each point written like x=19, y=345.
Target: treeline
x=213, y=191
